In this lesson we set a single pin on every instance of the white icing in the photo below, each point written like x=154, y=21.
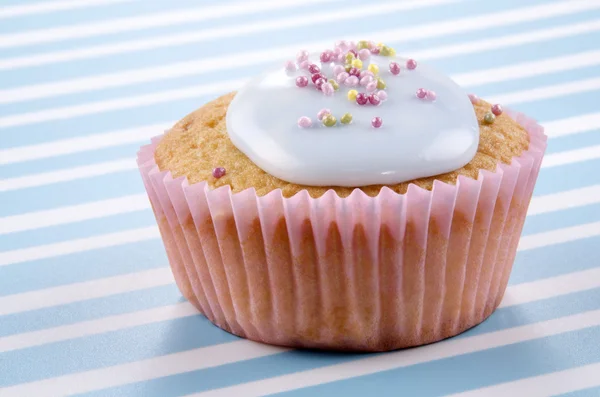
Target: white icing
x=419, y=138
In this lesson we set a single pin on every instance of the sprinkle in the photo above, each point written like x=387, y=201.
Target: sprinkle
x=347, y=67
x=364, y=54
x=387, y=51
x=349, y=57
x=342, y=45
x=431, y=95
x=394, y=68
x=380, y=84
x=304, y=122
x=352, y=95
x=329, y=120
x=352, y=45
x=366, y=80
x=489, y=118
x=421, y=93
x=374, y=99
x=342, y=77
x=219, y=172
x=312, y=68
x=362, y=44
x=346, y=118
x=341, y=57
x=364, y=73
x=334, y=84
x=337, y=69
x=302, y=55
x=357, y=63
x=392, y=52
x=290, y=66
x=326, y=56
x=375, y=50
x=371, y=44
x=354, y=72
x=372, y=86
x=382, y=95
x=411, y=64
x=319, y=83
x=316, y=76
x=301, y=81
x=376, y=122
x=327, y=89
x=362, y=99
x=474, y=99
x=373, y=68
x=322, y=113
x=497, y=110
x=303, y=65
x=351, y=81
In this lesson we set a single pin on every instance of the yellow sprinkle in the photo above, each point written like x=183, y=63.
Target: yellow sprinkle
x=357, y=63
x=335, y=84
x=349, y=57
x=379, y=44
x=362, y=44
x=392, y=52
x=380, y=84
x=385, y=51
x=373, y=68
x=352, y=95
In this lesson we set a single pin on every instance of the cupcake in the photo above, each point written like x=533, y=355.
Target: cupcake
x=349, y=200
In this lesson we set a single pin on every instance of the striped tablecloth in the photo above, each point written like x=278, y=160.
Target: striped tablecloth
x=87, y=301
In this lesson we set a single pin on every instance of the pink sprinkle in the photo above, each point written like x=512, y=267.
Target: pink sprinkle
x=351, y=81
x=337, y=51
x=354, y=72
x=374, y=99
x=375, y=50
x=341, y=57
x=382, y=95
x=322, y=113
x=342, y=77
x=372, y=86
x=303, y=65
x=366, y=80
x=361, y=98
x=316, y=76
x=352, y=45
x=219, y=172
x=497, y=109
x=371, y=44
x=364, y=73
x=353, y=52
x=327, y=89
x=312, y=68
x=394, y=68
x=319, y=83
x=325, y=56
x=302, y=55
x=342, y=44
x=337, y=69
x=474, y=99
x=377, y=122
x=421, y=93
x=364, y=54
x=290, y=66
x=431, y=95
x=303, y=122
x=411, y=64
x=301, y=81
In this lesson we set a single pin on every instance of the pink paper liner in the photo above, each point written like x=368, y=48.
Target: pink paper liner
x=354, y=273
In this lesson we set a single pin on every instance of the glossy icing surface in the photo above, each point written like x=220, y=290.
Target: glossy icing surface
x=418, y=138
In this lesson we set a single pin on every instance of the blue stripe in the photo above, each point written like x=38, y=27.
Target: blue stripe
x=295, y=361
x=574, y=141
x=591, y=392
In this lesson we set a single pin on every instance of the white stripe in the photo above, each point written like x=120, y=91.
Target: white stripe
x=571, y=156
x=98, y=326
x=39, y=8
x=222, y=87
x=572, y=125
x=515, y=295
x=65, y=294
x=551, y=287
x=559, y=236
x=32, y=300
x=81, y=144
x=152, y=368
x=564, y=200
x=553, y=384
x=404, y=358
x=69, y=174
x=119, y=104
x=547, y=92
x=78, y=245
x=148, y=21
x=274, y=24
x=75, y=213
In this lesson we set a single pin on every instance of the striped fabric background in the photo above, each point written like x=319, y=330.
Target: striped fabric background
x=87, y=302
